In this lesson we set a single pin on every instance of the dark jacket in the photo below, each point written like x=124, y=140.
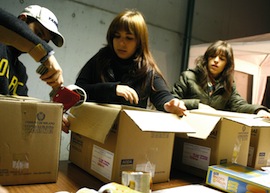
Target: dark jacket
x=13, y=76
x=188, y=89
x=120, y=72
x=16, y=38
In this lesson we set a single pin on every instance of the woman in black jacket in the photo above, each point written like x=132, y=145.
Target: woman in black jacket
x=212, y=83
x=124, y=71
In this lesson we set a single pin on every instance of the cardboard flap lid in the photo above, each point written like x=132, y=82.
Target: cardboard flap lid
x=220, y=113
x=251, y=120
x=93, y=121
x=21, y=99
x=202, y=124
x=159, y=121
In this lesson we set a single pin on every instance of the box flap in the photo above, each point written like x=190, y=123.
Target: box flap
x=93, y=121
x=202, y=124
x=226, y=114
x=251, y=120
x=159, y=121
x=21, y=98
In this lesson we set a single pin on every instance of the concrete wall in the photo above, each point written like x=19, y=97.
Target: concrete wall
x=84, y=24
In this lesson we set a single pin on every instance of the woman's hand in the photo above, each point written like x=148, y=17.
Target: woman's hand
x=54, y=76
x=263, y=113
x=128, y=93
x=175, y=106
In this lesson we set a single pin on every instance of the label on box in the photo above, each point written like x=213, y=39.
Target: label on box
x=219, y=180
x=127, y=165
x=20, y=163
x=262, y=158
x=196, y=156
x=102, y=161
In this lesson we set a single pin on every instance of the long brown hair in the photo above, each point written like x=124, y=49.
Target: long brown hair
x=134, y=22
x=217, y=48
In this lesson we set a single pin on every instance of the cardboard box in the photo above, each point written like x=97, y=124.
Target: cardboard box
x=109, y=139
x=236, y=178
x=29, y=140
x=221, y=137
x=259, y=150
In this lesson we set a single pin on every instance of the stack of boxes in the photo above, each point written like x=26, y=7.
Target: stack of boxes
x=109, y=139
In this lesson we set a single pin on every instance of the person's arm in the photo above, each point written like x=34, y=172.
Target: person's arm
x=238, y=104
x=16, y=33
x=181, y=90
x=163, y=100
x=161, y=94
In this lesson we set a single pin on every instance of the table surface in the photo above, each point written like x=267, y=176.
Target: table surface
x=71, y=178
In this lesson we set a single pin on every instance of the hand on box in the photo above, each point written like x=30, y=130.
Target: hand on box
x=175, y=106
x=128, y=93
x=263, y=114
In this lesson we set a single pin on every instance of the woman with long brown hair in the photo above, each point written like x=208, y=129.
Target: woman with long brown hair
x=212, y=83
x=124, y=71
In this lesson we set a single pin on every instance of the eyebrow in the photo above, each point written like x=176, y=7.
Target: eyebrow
x=127, y=32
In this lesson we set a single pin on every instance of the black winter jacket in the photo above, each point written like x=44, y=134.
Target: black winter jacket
x=120, y=72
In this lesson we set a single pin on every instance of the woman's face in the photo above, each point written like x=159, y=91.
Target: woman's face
x=124, y=44
x=216, y=65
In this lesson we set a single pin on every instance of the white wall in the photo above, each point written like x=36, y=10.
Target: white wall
x=84, y=24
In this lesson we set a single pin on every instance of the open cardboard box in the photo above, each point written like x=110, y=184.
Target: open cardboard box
x=109, y=139
x=220, y=137
x=29, y=140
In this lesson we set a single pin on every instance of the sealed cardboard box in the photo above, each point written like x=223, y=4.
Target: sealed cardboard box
x=237, y=178
x=29, y=140
x=259, y=150
x=221, y=137
x=109, y=139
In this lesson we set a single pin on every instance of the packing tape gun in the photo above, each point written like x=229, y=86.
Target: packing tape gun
x=70, y=96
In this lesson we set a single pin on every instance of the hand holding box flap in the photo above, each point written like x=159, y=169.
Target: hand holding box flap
x=159, y=121
x=93, y=121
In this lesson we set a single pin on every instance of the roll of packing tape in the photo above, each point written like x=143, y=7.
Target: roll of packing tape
x=80, y=91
